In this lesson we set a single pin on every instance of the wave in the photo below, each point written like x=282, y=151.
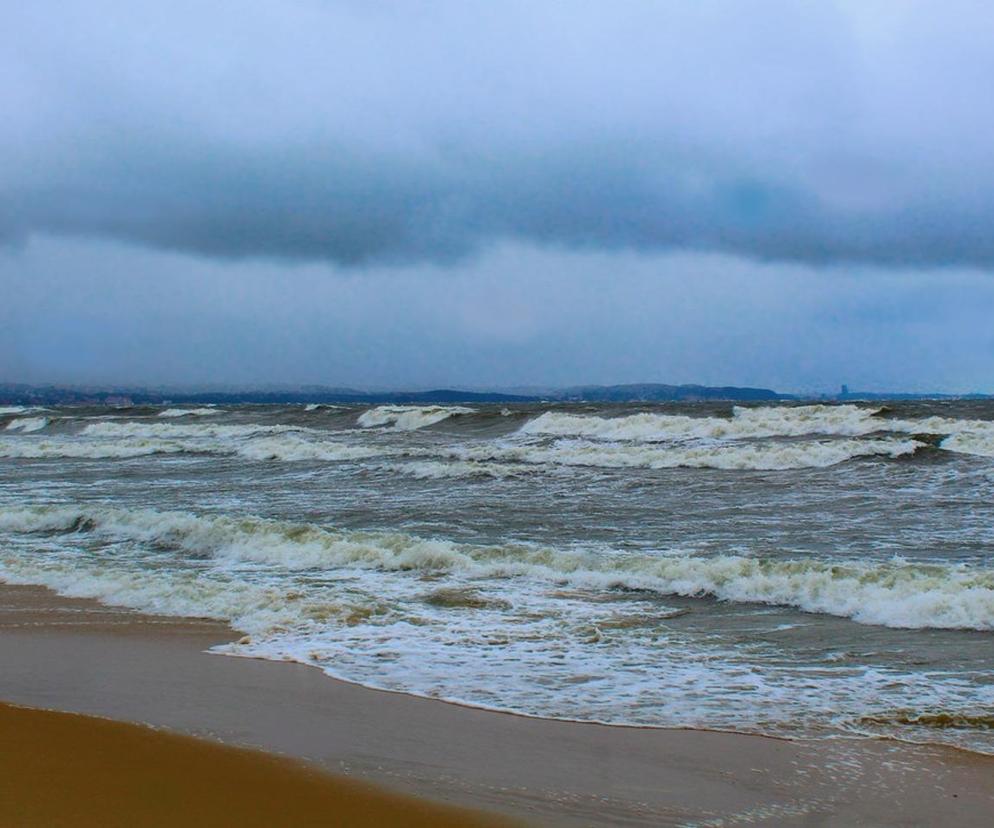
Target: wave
x=970, y=442
x=286, y=447
x=189, y=412
x=27, y=424
x=409, y=418
x=782, y=421
x=7, y=410
x=81, y=450
x=290, y=447
x=941, y=720
x=459, y=469
x=726, y=456
x=891, y=594
x=177, y=430
x=494, y=460
x=974, y=437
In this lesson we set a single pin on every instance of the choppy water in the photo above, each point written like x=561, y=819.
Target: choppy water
x=786, y=569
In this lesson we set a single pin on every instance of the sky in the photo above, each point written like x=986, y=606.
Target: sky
x=477, y=194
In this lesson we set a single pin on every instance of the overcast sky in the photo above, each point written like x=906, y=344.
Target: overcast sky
x=416, y=194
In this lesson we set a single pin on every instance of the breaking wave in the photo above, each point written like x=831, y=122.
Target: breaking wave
x=291, y=447
x=974, y=437
x=7, y=410
x=176, y=430
x=458, y=469
x=288, y=447
x=70, y=449
x=891, y=594
x=322, y=407
x=27, y=424
x=409, y=418
x=189, y=412
x=783, y=421
x=728, y=456
x=976, y=443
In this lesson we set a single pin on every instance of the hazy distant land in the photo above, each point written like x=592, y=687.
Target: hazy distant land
x=22, y=394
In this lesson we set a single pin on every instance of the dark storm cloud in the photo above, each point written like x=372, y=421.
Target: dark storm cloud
x=373, y=132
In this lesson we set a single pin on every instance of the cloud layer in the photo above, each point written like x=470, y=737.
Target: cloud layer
x=369, y=133
x=81, y=312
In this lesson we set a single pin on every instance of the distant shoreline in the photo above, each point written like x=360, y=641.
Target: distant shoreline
x=123, y=396
x=106, y=395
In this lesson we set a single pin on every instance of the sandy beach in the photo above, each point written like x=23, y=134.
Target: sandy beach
x=78, y=656
x=62, y=769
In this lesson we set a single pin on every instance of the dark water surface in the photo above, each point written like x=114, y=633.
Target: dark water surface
x=787, y=569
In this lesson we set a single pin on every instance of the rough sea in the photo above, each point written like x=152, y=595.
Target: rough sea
x=798, y=570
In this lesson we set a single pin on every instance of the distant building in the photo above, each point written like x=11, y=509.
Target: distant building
x=845, y=390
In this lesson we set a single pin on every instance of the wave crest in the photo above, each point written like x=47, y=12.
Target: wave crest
x=189, y=412
x=891, y=594
x=27, y=424
x=409, y=418
x=782, y=421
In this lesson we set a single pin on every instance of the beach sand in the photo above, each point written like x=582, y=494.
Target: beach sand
x=76, y=655
x=62, y=769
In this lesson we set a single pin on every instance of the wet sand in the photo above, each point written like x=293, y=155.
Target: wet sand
x=62, y=769
x=78, y=656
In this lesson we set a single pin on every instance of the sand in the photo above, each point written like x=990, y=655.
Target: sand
x=75, y=655
x=62, y=769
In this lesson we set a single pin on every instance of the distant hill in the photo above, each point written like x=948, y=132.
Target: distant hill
x=55, y=395
x=124, y=396
x=656, y=392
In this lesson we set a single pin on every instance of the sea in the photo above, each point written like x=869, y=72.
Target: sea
x=798, y=570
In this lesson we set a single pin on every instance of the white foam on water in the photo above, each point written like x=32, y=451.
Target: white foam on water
x=407, y=417
x=974, y=437
x=189, y=412
x=515, y=627
x=290, y=447
x=979, y=444
x=278, y=447
x=714, y=455
x=780, y=421
x=458, y=469
x=68, y=448
x=893, y=594
x=180, y=430
x=27, y=424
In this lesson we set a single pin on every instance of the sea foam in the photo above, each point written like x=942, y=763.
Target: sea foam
x=409, y=418
x=892, y=594
x=27, y=424
x=781, y=421
x=711, y=455
x=189, y=412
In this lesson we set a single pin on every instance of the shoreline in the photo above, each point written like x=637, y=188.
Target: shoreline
x=84, y=657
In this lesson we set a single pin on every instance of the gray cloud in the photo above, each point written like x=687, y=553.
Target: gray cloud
x=88, y=311
x=365, y=132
